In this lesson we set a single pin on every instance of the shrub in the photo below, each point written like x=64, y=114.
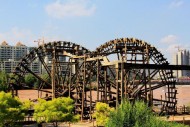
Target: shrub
x=137, y=115
x=11, y=109
x=4, y=81
x=102, y=112
x=58, y=109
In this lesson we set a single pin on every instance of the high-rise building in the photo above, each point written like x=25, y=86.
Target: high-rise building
x=10, y=56
x=182, y=57
x=8, y=52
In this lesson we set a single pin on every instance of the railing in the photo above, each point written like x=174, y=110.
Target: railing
x=183, y=110
x=29, y=118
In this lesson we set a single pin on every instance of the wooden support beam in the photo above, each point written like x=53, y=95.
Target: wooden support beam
x=156, y=66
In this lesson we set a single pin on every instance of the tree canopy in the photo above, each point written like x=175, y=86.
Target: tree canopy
x=30, y=80
x=3, y=81
x=58, y=109
x=102, y=112
x=136, y=115
x=11, y=109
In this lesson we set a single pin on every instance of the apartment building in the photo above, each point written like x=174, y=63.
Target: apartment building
x=10, y=57
x=182, y=57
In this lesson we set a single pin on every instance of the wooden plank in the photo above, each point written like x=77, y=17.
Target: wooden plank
x=156, y=66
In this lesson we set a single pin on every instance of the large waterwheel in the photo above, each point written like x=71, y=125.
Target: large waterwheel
x=53, y=59
x=121, y=68
x=130, y=69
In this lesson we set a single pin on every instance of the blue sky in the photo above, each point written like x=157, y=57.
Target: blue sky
x=162, y=23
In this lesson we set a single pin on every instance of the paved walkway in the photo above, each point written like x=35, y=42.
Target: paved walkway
x=79, y=124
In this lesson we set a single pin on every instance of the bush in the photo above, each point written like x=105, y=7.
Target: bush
x=102, y=112
x=11, y=109
x=137, y=115
x=4, y=81
x=30, y=80
x=56, y=110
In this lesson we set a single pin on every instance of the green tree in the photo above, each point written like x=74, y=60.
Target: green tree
x=30, y=80
x=46, y=78
x=13, y=79
x=28, y=104
x=102, y=113
x=11, y=109
x=4, y=81
x=136, y=115
x=56, y=110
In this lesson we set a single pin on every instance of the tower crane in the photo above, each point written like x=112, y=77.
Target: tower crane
x=179, y=48
x=40, y=42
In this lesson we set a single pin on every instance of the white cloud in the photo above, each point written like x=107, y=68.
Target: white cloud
x=27, y=37
x=70, y=8
x=176, y=3
x=169, y=50
x=171, y=44
x=169, y=39
x=173, y=48
x=16, y=34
